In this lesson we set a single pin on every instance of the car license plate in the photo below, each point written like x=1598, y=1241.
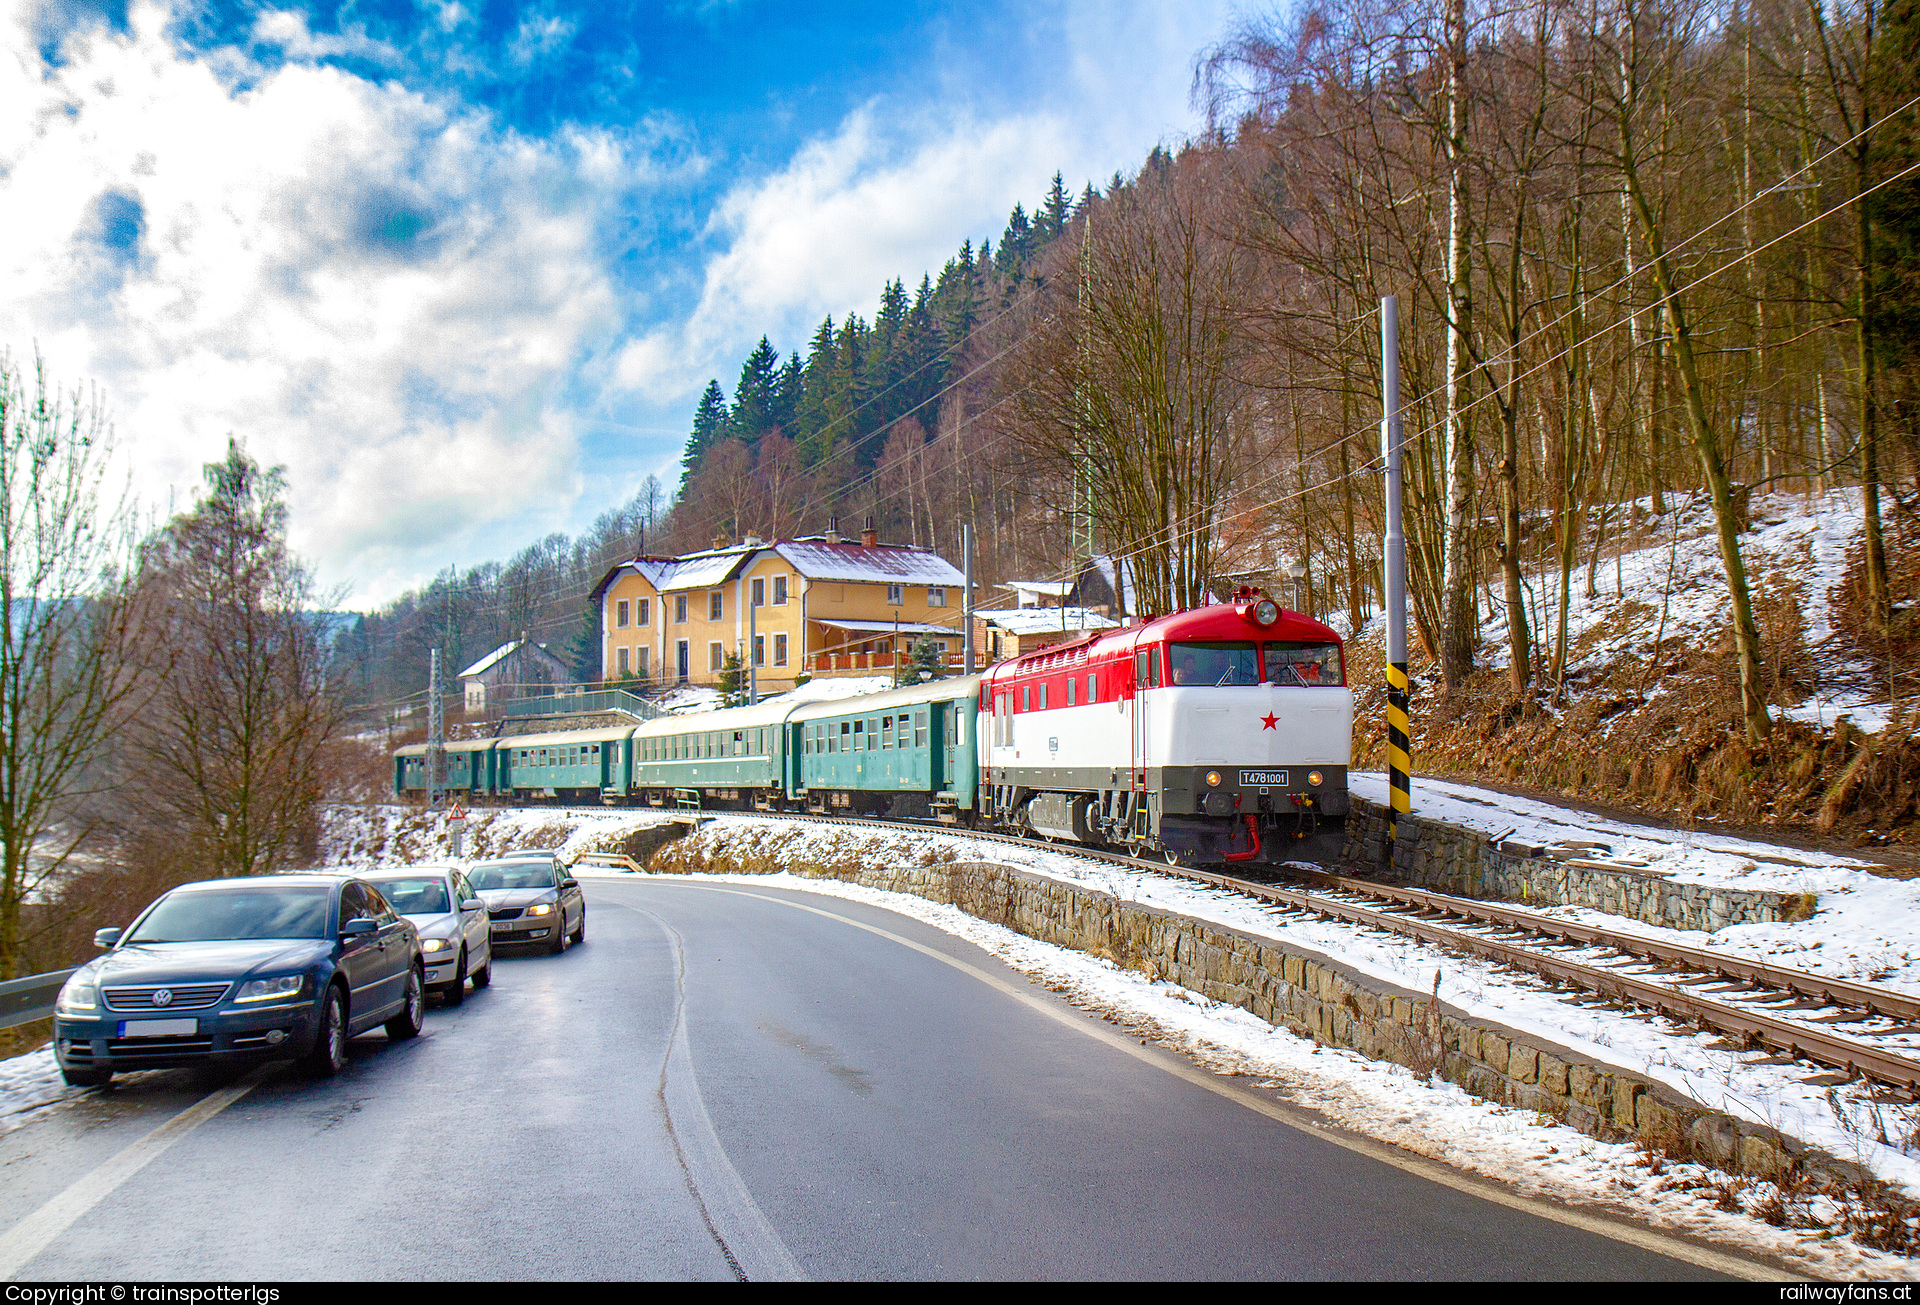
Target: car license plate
x=159, y=1028
x=1263, y=779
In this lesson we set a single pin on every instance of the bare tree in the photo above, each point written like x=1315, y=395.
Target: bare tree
x=69, y=601
x=226, y=754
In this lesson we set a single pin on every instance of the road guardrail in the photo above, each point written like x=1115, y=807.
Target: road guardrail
x=22, y=1001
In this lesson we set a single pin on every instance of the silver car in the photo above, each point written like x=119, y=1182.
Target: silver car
x=455, y=942
x=531, y=900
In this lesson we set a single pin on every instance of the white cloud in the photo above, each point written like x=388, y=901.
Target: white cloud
x=891, y=194
x=385, y=296
x=288, y=30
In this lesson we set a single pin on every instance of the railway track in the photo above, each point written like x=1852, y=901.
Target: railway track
x=1758, y=1005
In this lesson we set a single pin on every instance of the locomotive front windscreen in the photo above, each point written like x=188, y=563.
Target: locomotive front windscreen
x=1216, y=663
x=1304, y=663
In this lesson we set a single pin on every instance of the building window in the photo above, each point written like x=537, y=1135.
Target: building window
x=896, y=593
x=779, y=591
x=759, y=592
x=779, y=650
x=645, y=606
x=624, y=668
x=679, y=609
x=716, y=656
x=936, y=598
x=620, y=618
x=759, y=650
x=644, y=658
x=716, y=605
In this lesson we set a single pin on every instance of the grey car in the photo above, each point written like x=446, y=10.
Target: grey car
x=531, y=900
x=455, y=940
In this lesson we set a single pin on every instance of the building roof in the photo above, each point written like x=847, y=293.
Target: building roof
x=885, y=627
x=818, y=559
x=1122, y=584
x=1052, y=588
x=1043, y=620
x=505, y=650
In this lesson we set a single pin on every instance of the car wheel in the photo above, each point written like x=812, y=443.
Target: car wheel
x=329, y=1054
x=413, y=1011
x=558, y=943
x=87, y=1077
x=456, y=992
x=580, y=934
x=484, y=975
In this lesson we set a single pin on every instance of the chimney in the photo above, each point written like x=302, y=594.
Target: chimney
x=833, y=530
x=869, y=537
x=751, y=541
x=720, y=541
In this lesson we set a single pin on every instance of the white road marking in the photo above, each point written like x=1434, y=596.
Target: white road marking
x=26, y=1239
x=733, y=1216
x=1644, y=1238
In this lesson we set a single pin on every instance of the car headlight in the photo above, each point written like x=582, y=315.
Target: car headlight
x=540, y=908
x=1313, y=778
x=79, y=997
x=287, y=985
x=1213, y=779
x=435, y=945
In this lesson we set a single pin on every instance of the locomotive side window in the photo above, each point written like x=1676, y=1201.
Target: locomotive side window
x=1309, y=664
x=1071, y=685
x=1026, y=697
x=1216, y=664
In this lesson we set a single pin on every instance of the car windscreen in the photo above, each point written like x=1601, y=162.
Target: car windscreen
x=421, y=896
x=213, y=914
x=1215, y=663
x=511, y=874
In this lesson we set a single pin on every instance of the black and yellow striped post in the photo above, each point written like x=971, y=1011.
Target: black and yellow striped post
x=1399, y=737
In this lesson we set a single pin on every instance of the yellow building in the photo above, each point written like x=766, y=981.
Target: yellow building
x=819, y=605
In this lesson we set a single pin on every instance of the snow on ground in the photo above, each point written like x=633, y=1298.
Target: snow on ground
x=1519, y=1148
x=1675, y=589
x=1866, y=927
x=29, y=1086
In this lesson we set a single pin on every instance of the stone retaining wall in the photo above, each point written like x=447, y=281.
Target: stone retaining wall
x=1320, y=998
x=1447, y=858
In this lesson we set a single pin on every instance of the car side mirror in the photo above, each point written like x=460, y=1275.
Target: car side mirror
x=473, y=904
x=569, y=882
x=357, y=929
x=104, y=938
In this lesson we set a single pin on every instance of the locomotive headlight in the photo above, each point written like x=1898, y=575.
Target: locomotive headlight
x=1266, y=611
x=1213, y=779
x=1313, y=778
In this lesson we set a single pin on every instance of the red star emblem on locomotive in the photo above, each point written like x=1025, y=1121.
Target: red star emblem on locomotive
x=1268, y=721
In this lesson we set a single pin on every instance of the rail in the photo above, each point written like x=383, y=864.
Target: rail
x=22, y=1001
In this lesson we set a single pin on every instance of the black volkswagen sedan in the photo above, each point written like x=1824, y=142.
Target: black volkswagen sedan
x=232, y=971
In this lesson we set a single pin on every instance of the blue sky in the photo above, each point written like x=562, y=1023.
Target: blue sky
x=464, y=268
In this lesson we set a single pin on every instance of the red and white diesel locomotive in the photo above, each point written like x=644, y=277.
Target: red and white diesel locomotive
x=1217, y=733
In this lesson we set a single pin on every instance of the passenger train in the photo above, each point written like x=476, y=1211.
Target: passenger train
x=1218, y=733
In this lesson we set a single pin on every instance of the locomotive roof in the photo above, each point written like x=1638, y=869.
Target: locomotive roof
x=1216, y=621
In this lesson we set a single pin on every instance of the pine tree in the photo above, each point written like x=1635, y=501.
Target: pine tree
x=1015, y=246
x=756, y=398
x=1054, y=211
x=787, y=394
x=815, y=435
x=709, y=426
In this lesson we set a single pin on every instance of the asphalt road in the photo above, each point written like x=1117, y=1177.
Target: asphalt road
x=729, y=1081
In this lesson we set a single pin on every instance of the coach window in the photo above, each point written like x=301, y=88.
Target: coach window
x=886, y=732
x=920, y=728
x=620, y=618
x=846, y=736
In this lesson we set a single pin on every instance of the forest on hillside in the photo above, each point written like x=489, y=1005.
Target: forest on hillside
x=1646, y=254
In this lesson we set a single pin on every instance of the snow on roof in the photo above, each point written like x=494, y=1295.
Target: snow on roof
x=1107, y=567
x=702, y=570
x=1056, y=588
x=1039, y=620
x=489, y=659
x=818, y=559
x=885, y=627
